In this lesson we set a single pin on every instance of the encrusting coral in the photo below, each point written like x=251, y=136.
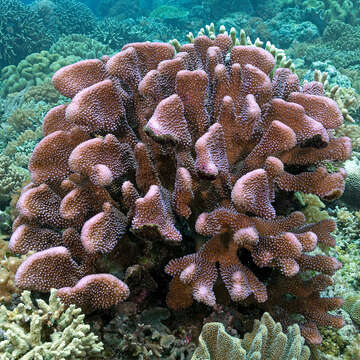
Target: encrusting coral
x=265, y=342
x=153, y=143
x=46, y=331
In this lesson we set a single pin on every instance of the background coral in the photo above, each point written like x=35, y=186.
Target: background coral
x=144, y=335
x=22, y=32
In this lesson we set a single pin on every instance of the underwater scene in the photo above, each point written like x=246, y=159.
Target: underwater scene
x=180, y=179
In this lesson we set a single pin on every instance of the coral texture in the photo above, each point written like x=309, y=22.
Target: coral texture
x=144, y=336
x=8, y=266
x=265, y=342
x=207, y=138
x=352, y=306
x=46, y=331
x=22, y=32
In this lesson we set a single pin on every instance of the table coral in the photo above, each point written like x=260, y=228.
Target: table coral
x=46, y=331
x=153, y=143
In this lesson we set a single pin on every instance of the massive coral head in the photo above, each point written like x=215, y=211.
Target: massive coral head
x=154, y=142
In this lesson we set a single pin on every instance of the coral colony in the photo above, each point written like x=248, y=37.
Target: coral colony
x=205, y=141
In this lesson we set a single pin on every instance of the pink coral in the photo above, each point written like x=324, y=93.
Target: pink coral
x=161, y=146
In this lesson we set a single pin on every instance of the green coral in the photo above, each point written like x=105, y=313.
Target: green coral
x=35, y=69
x=352, y=306
x=38, y=68
x=265, y=342
x=344, y=10
x=312, y=207
x=42, y=92
x=21, y=32
x=80, y=46
x=46, y=331
x=169, y=13
x=65, y=16
x=346, y=98
x=12, y=178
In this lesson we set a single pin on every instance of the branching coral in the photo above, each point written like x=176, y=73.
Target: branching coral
x=65, y=16
x=46, y=331
x=11, y=179
x=8, y=266
x=265, y=342
x=21, y=32
x=154, y=142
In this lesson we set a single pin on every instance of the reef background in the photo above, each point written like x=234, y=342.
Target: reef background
x=39, y=37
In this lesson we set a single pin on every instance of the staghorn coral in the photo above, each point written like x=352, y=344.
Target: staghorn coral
x=46, y=331
x=153, y=143
x=265, y=342
x=22, y=32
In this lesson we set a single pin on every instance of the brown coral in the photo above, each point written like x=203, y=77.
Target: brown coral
x=200, y=137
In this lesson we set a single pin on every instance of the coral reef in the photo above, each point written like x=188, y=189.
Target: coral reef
x=144, y=336
x=80, y=46
x=116, y=32
x=8, y=266
x=22, y=32
x=352, y=306
x=332, y=10
x=352, y=187
x=64, y=17
x=146, y=153
x=46, y=331
x=312, y=207
x=265, y=342
x=12, y=178
x=121, y=8
x=171, y=14
x=35, y=69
